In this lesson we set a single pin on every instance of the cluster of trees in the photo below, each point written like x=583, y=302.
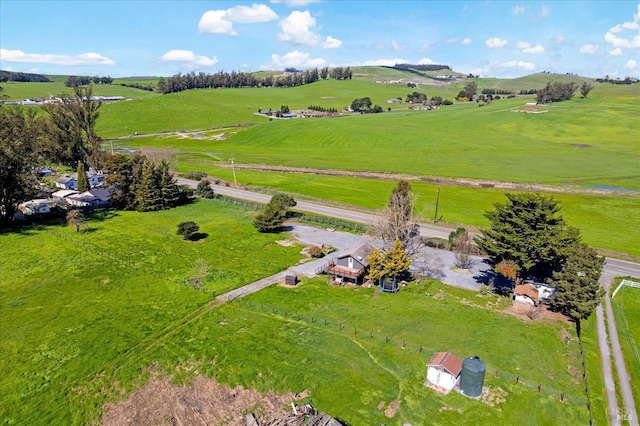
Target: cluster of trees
x=79, y=80
x=322, y=109
x=65, y=134
x=393, y=264
x=340, y=73
x=468, y=91
x=528, y=239
x=555, y=92
x=416, y=97
x=422, y=67
x=274, y=214
x=140, y=184
x=363, y=105
x=23, y=77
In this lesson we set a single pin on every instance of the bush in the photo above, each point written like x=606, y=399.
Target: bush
x=195, y=175
x=204, y=189
x=315, y=251
x=188, y=230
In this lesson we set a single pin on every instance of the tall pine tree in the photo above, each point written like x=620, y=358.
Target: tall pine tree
x=148, y=191
x=169, y=190
x=83, y=181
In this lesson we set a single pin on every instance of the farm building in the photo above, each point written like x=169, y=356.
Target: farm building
x=525, y=293
x=443, y=371
x=348, y=269
x=96, y=197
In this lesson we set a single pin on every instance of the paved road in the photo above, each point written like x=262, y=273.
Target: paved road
x=612, y=268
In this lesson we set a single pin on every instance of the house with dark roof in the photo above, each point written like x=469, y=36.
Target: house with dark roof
x=525, y=293
x=443, y=371
x=66, y=182
x=349, y=268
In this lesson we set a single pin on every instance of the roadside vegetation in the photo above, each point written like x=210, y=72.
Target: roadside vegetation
x=626, y=309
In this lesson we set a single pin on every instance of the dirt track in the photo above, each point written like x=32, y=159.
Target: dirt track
x=470, y=183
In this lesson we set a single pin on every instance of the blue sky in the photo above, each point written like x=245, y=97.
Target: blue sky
x=161, y=38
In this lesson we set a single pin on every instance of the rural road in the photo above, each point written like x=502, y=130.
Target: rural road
x=612, y=268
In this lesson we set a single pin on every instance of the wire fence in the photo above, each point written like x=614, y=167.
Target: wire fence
x=363, y=334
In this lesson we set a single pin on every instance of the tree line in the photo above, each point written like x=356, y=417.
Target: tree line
x=422, y=67
x=81, y=80
x=221, y=79
x=23, y=77
x=322, y=109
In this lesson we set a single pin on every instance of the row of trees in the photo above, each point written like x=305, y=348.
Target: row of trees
x=555, y=92
x=422, y=67
x=322, y=109
x=22, y=77
x=363, y=105
x=468, y=91
x=221, y=79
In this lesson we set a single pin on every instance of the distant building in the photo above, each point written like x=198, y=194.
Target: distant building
x=34, y=207
x=526, y=293
x=67, y=182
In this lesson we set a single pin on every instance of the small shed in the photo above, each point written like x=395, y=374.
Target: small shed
x=525, y=293
x=291, y=280
x=443, y=371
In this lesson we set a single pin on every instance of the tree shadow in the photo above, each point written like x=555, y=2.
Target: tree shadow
x=501, y=285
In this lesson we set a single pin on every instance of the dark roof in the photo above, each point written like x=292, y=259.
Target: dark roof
x=448, y=361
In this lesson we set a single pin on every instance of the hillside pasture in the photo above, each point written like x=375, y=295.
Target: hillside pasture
x=19, y=90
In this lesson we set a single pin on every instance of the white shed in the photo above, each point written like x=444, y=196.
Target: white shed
x=443, y=371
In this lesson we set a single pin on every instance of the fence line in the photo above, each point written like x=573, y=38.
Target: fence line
x=364, y=334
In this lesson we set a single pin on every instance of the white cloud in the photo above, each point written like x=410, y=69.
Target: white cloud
x=295, y=3
x=630, y=65
x=530, y=48
x=632, y=41
x=381, y=62
x=189, y=59
x=425, y=61
x=466, y=40
x=526, y=66
x=46, y=58
x=221, y=21
x=517, y=10
x=544, y=10
x=296, y=29
x=426, y=47
x=590, y=49
x=616, y=52
x=396, y=46
x=495, y=42
x=296, y=59
x=331, y=43
x=457, y=40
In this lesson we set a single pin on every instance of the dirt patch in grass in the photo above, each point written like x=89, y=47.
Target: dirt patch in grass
x=203, y=402
x=392, y=409
x=493, y=396
x=522, y=311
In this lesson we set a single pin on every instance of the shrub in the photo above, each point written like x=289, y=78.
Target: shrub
x=188, y=230
x=195, y=175
x=204, y=189
x=315, y=251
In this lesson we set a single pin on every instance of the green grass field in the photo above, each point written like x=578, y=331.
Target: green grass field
x=73, y=304
x=626, y=309
x=19, y=90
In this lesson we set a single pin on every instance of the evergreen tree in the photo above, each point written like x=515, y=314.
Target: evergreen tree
x=528, y=232
x=83, y=181
x=578, y=290
x=274, y=214
x=148, y=191
x=204, y=189
x=376, y=266
x=396, y=262
x=169, y=190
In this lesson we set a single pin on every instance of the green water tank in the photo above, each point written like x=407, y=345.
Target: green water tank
x=472, y=376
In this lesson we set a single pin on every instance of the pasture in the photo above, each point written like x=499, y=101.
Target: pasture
x=19, y=90
x=626, y=309
x=87, y=317
x=74, y=304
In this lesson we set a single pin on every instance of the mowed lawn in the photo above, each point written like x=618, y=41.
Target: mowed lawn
x=626, y=308
x=75, y=305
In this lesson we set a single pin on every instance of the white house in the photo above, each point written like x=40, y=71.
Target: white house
x=37, y=206
x=443, y=371
x=64, y=193
x=97, y=197
x=526, y=293
x=66, y=182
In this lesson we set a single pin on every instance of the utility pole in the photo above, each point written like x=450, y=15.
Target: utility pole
x=235, y=182
x=435, y=216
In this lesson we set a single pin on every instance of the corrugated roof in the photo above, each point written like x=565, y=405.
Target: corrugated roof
x=448, y=361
